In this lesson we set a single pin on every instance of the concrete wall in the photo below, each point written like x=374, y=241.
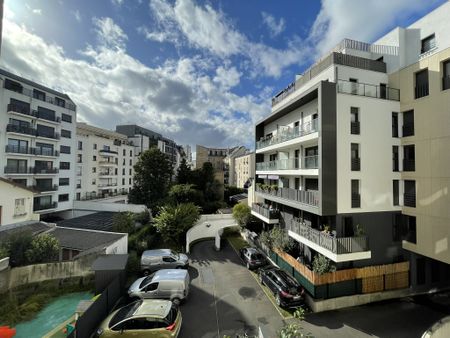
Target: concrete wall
x=8, y=195
x=114, y=207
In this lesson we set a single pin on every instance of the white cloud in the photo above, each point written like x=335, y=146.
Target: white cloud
x=178, y=98
x=37, y=11
x=110, y=34
x=77, y=15
x=275, y=28
x=117, y=2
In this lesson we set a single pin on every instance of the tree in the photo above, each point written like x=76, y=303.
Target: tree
x=185, y=193
x=242, y=214
x=153, y=172
x=17, y=246
x=173, y=221
x=293, y=329
x=43, y=248
x=184, y=173
x=322, y=264
x=123, y=222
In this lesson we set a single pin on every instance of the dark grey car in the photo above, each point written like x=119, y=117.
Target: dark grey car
x=252, y=258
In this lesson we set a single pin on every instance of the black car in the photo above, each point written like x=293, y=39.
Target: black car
x=287, y=291
x=252, y=258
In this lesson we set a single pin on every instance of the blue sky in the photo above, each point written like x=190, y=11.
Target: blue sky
x=199, y=72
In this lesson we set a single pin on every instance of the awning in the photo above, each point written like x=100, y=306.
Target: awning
x=273, y=177
x=262, y=176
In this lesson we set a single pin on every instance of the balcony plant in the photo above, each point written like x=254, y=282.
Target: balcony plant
x=322, y=265
x=274, y=188
x=360, y=232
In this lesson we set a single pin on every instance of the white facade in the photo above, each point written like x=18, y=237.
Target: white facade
x=105, y=161
x=16, y=203
x=244, y=170
x=37, y=145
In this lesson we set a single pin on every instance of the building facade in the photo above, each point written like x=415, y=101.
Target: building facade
x=104, y=163
x=244, y=170
x=37, y=145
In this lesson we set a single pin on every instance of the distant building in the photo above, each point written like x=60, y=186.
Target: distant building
x=188, y=151
x=244, y=170
x=229, y=161
x=104, y=163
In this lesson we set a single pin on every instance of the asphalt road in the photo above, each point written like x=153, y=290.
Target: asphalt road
x=224, y=298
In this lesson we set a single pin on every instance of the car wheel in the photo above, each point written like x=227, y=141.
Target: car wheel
x=176, y=301
x=278, y=300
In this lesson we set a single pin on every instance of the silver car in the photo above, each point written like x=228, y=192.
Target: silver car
x=170, y=284
x=153, y=260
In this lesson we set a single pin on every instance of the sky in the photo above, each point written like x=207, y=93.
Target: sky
x=198, y=72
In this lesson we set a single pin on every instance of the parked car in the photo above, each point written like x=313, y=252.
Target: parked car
x=170, y=284
x=153, y=260
x=252, y=258
x=287, y=291
x=143, y=318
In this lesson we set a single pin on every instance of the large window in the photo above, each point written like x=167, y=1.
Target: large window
x=44, y=149
x=356, y=197
x=66, y=118
x=395, y=159
x=37, y=94
x=60, y=102
x=16, y=166
x=446, y=75
x=428, y=43
x=17, y=146
x=66, y=133
x=408, y=123
x=19, y=207
x=13, y=85
x=409, y=158
x=354, y=120
x=395, y=192
x=409, y=197
x=19, y=106
x=46, y=114
x=64, y=181
x=45, y=131
x=422, y=88
x=64, y=149
x=394, y=124
x=355, y=160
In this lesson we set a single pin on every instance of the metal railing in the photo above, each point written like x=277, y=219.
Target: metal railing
x=356, y=164
x=108, y=151
x=45, y=134
x=18, y=149
x=409, y=199
x=368, y=90
x=43, y=116
x=309, y=197
x=354, y=128
x=107, y=162
x=337, y=245
x=48, y=99
x=105, y=185
x=265, y=211
x=289, y=134
x=42, y=188
x=18, y=170
x=306, y=162
x=45, y=206
x=19, y=109
x=421, y=90
x=12, y=128
x=107, y=174
x=45, y=152
x=38, y=170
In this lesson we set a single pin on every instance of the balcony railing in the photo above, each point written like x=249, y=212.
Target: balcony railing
x=289, y=134
x=104, y=185
x=38, y=170
x=409, y=165
x=337, y=245
x=307, y=162
x=107, y=163
x=354, y=128
x=421, y=90
x=18, y=149
x=107, y=174
x=12, y=128
x=368, y=90
x=356, y=201
x=46, y=98
x=408, y=129
x=42, y=188
x=265, y=211
x=18, y=170
x=409, y=199
x=19, y=109
x=356, y=164
x=45, y=152
x=107, y=151
x=446, y=82
x=45, y=206
x=55, y=136
x=43, y=116
x=309, y=197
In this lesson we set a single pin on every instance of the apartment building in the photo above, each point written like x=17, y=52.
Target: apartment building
x=351, y=160
x=244, y=170
x=143, y=138
x=16, y=203
x=104, y=163
x=37, y=143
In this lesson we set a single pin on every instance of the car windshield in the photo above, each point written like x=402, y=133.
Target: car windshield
x=175, y=255
x=124, y=313
x=288, y=280
x=172, y=315
x=146, y=281
x=257, y=256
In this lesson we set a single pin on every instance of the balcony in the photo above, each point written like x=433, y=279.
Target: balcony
x=54, y=136
x=264, y=213
x=107, y=185
x=409, y=199
x=289, y=134
x=107, y=163
x=45, y=152
x=409, y=164
x=12, y=128
x=18, y=109
x=354, y=128
x=356, y=201
x=44, y=188
x=307, y=162
x=107, y=152
x=421, y=90
x=44, y=206
x=356, y=164
x=18, y=170
x=39, y=170
x=107, y=174
x=308, y=197
x=446, y=82
x=18, y=150
x=368, y=90
x=42, y=116
x=338, y=249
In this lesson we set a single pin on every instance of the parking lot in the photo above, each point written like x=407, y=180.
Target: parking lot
x=225, y=299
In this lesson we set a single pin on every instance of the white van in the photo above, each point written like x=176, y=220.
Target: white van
x=152, y=260
x=170, y=284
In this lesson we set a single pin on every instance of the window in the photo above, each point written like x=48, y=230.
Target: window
x=115, y=171
x=64, y=149
x=45, y=131
x=19, y=207
x=446, y=74
x=95, y=146
x=94, y=170
x=13, y=85
x=395, y=159
x=60, y=102
x=394, y=124
x=129, y=181
x=63, y=198
x=428, y=43
x=408, y=123
x=355, y=160
x=356, y=198
x=395, y=192
x=124, y=152
x=37, y=94
x=64, y=165
x=63, y=181
x=93, y=181
x=79, y=158
x=66, y=118
x=130, y=171
x=409, y=158
x=80, y=145
x=123, y=162
x=94, y=158
x=17, y=146
x=66, y=133
x=46, y=114
x=131, y=161
x=16, y=166
x=131, y=152
x=78, y=196
x=354, y=121
x=21, y=181
x=123, y=171
x=409, y=197
x=421, y=88
x=123, y=181
x=397, y=227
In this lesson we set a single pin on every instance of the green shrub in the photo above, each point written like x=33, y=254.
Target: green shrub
x=17, y=246
x=43, y=248
x=123, y=222
x=142, y=217
x=322, y=265
x=134, y=263
x=241, y=214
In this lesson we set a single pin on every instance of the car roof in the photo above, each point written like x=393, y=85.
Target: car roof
x=169, y=274
x=153, y=307
x=253, y=250
x=157, y=252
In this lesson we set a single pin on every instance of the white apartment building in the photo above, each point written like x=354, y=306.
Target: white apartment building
x=37, y=141
x=338, y=157
x=104, y=163
x=244, y=170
